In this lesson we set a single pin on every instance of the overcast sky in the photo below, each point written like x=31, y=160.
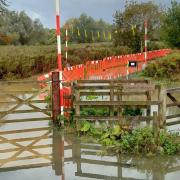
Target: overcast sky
x=45, y=9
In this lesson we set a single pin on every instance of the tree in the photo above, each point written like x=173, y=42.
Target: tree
x=19, y=28
x=3, y=5
x=171, y=27
x=85, y=29
x=129, y=24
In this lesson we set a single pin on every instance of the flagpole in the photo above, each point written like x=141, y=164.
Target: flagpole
x=59, y=59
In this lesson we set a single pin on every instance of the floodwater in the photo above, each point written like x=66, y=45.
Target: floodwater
x=30, y=149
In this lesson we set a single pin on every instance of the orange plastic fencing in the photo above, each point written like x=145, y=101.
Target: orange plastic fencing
x=109, y=68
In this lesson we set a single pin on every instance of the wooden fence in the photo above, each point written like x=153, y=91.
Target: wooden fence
x=119, y=94
x=171, y=93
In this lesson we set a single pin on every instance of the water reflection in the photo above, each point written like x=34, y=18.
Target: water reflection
x=69, y=157
x=85, y=163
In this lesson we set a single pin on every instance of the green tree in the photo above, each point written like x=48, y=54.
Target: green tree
x=85, y=29
x=3, y=5
x=171, y=27
x=19, y=28
x=129, y=24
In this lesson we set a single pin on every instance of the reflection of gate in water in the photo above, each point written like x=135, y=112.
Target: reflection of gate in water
x=24, y=135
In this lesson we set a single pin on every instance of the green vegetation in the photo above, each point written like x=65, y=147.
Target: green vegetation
x=25, y=61
x=87, y=30
x=164, y=68
x=17, y=28
x=171, y=26
x=137, y=141
x=129, y=24
x=3, y=4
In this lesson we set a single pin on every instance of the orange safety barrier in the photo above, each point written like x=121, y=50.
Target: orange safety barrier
x=109, y=68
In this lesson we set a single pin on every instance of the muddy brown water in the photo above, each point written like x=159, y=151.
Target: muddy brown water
x=32, y=150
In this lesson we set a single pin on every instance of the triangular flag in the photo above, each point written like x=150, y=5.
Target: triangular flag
x=85, y=33
x=78, y=32
x=110, y=36
x=104, y=34
x=133, y=29
x=98, y=34
x=92, y=35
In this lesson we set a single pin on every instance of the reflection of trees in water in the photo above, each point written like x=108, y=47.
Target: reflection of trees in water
x=158, y=167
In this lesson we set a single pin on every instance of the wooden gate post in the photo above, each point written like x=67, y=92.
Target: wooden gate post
x=55, y=95
x=162, y=106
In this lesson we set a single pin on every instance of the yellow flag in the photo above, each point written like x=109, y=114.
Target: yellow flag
x=110, y=36
x=104, y=35
x=98, y=34
x=92, y=35
x=85, y=33
x=72, y=29
x=133, y=29
x=78, y=32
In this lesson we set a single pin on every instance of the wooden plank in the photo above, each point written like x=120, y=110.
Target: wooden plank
x=32, y=147
x=24, y=130
x=25, y=111
x=7, y=92
x=105, y=163
x=173, y=99
x=108, y=81
x=172, y=116
x=113, y=118
x=95, y=176
x=23, y=82
x=28, y=166
x=25, y=120
x=139, y=87
x=116, y=103
x=29, y=157
x=96, y=87
x=99, y=176
x=173, y=169
x=173, y=123
x=173, y=104
x=92, y=147
x=105, y=93
x=173, y=90
x=15, y=102
x=29, y=139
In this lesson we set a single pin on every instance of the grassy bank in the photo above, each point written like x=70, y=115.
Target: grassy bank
x=165, y=68
x=24, y=61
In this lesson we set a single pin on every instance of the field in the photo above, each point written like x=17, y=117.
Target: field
x=17, y=62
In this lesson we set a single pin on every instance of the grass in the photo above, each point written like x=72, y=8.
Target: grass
x=17, y=62
x=165, y=68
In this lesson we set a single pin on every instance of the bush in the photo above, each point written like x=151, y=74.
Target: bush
x=166, y=67
x=141, y=140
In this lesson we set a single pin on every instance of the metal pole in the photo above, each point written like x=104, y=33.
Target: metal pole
x=127, y=70
x=145, y=41
x=59, y=59
x=66, y=44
